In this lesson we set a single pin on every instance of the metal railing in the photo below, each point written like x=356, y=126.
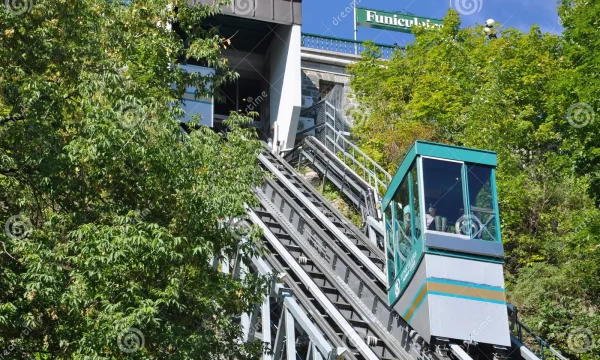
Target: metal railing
x=526, y=336
x=345, y=46
x=332, y=136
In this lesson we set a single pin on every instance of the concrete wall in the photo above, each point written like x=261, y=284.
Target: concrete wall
x=285, y=92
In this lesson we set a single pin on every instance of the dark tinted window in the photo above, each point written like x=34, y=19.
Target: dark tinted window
x=443, y=186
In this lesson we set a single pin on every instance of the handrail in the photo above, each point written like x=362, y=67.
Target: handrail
x=512, y=315
x=370, y=172
x=346, y=46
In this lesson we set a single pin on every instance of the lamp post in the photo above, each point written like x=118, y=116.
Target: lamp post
x=489, y=29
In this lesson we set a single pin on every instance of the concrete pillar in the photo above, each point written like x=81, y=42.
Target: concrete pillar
x=286, y=85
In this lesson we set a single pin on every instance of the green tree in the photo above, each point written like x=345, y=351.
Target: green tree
x=582, y=49
x=112, y=214
x=510, y=94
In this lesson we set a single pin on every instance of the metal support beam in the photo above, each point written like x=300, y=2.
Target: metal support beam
x=316, y=291
x=325, y=178
x=225, y=265
x=459, y=352
x=290, y=335
x=266, y=327
x=376, y=225
x=316, y=337
x=253, y=325
x=245, y=326
x=278, y=348
x=526, y=354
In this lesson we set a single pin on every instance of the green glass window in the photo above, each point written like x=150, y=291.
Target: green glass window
x=415, y=210
x=402, y=223
x=390, y=248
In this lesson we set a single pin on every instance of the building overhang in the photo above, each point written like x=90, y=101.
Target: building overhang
x=287, y=12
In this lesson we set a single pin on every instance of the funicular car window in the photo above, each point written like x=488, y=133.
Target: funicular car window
x=481, y=201
x=402, y=219
x=390, y=248
x=444, y=202
x=416, y=213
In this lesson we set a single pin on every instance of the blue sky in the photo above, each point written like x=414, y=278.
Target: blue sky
x=318, y=15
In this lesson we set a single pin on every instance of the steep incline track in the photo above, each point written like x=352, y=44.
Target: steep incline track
x=289, y=174
x=340, y=261
x=335, y=271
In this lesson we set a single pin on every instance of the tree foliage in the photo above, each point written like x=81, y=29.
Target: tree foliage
x=513, y=94
x=112, y=214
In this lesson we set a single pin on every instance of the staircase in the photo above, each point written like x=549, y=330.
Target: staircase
x=343, y=164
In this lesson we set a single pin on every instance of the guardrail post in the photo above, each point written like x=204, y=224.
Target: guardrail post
x=266, y=326
x=325, y=178
x=290, y=335
x=280, y=335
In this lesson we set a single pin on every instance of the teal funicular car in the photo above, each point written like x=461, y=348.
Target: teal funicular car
x=444, y=252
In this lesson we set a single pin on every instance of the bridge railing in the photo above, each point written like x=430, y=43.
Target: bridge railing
x=345, y=46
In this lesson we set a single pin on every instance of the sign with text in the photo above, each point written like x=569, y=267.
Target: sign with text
x=393, y=21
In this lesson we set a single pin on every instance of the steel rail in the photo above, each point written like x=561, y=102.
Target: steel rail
x=303, y=311
x=313, y=288
x=363, y=294
x=376, y=271
x=294, y=180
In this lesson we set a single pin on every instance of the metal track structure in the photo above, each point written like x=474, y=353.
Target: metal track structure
x=334, y=265
x=342, y=163
x=282, y=323
x=334, y=274
x=362, y=180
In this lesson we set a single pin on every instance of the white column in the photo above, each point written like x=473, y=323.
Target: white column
x=286, y=86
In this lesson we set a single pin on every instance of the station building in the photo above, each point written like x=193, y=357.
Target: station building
x=283, y=72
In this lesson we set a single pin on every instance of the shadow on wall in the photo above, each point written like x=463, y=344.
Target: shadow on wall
x=317, y=85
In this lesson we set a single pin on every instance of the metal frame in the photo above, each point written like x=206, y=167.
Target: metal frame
x=372, y=172
x=334, y=170
x=517, y=328
x=315, y=291
x=283, y=343
x=440, y=151
x=289, y=323
x=350, y=167
x=465, y=194
x=349, y=245
x=342, y=276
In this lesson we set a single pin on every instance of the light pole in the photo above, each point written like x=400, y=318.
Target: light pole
x=489, y=29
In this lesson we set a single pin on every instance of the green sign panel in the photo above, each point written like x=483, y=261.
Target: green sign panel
x=393, y=21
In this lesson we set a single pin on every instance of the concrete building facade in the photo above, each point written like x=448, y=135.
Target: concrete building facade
x=282, y=71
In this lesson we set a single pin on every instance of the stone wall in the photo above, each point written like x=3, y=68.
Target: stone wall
x=313, y=76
